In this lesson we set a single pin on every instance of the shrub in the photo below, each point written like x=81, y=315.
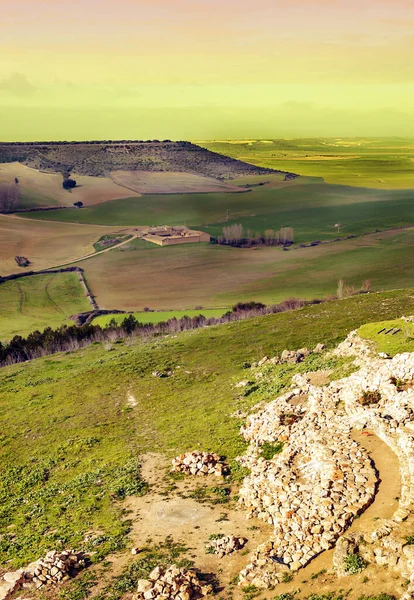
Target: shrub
x=354, y=563
x=270, y=450
x=68, y=184
x=370, y=397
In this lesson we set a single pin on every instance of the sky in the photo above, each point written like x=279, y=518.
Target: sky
x=205, y=69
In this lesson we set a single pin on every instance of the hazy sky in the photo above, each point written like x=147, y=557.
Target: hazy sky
x=205, y=69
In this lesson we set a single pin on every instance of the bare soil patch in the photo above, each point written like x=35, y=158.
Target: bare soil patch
x=170, y=183
x=160, y=514
x=45, y=189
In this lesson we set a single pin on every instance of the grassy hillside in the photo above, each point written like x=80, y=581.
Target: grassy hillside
x=39, y=301
x=89, y=415
x=177, y=277
x=374, y=163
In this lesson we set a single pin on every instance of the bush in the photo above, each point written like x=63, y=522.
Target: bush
x=270, y=450
x=370, y=397
x=68, y=184
x=354, y=563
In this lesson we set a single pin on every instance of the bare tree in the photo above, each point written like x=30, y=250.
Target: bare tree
x=9, y=197
x=233, y=234
x=340, y=290
x=286, y=235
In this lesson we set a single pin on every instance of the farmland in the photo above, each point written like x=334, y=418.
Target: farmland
x=367, y=162
x=215, y=276
x=38, y=189
x=45, y=244
x=145, y=182
x=311, y=208
x=39, y=301
x=139, y=275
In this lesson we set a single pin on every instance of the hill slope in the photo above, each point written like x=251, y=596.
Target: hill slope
x=100, y=158
x=76, y=427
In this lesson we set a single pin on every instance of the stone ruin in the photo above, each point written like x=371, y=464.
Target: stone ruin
x=56, y=567
x=225, y=545
x=199, y=463
x=174, y=582
x=312, y=491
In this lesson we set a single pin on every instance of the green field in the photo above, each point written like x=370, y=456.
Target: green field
x=39, y=301
x=374, y=163
x=394, y=342
x=312, y=209
x=71, y=440
x=215, y=276
x=158, y=317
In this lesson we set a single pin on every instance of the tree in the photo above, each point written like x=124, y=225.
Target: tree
x=9, y=197
x=16, y=181
x=78, y=204
x=68, y=184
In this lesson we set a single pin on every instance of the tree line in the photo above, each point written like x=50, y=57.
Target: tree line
x=235, y=235
x=71, y=337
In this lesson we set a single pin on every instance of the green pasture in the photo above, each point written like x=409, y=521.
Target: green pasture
x=373, y=163
x=312, y=209
x=39, y=301
x=159, y=316
x=392, y=337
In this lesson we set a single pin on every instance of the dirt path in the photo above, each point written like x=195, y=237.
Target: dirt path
x=93, y=254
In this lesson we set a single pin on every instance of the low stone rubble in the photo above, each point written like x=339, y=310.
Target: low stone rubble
x=174, y=582
x=289, y=356
x=226, y=545
x=56, y=567
x=312, y=491
x=199, y=463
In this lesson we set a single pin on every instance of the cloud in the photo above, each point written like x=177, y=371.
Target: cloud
x=17, y=84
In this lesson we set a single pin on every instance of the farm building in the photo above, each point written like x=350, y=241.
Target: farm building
x=170, y=236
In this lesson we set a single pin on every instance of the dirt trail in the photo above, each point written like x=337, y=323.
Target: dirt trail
x=93, y=254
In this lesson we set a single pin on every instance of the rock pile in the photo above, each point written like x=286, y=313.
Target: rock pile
x=199, y=463
x=56, y=567
x=181, y=584
x=226, y=545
